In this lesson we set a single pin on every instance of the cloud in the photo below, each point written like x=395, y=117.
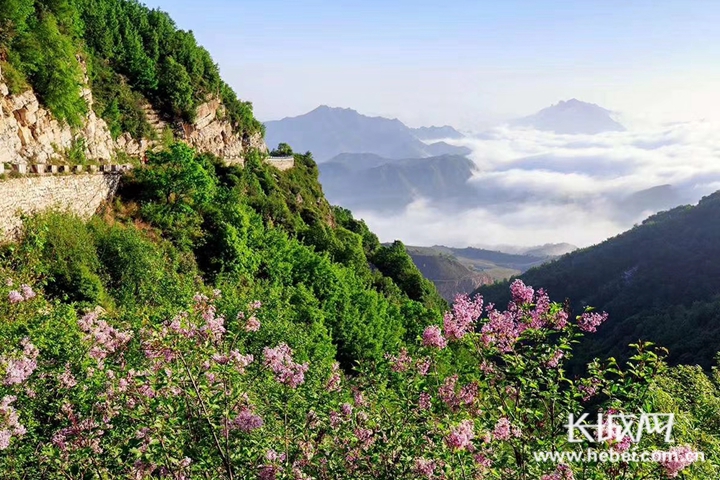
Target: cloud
x=538, y=187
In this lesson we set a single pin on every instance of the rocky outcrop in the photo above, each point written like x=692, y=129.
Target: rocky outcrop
x=30, y=134
x=212, y=133
x=80, y=194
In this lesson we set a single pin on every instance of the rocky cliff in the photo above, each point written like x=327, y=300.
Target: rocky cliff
x=30, y=134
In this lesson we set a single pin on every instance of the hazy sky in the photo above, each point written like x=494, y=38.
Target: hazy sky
x=463, y=62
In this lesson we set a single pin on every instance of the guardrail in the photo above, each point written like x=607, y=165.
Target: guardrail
x=46, y=169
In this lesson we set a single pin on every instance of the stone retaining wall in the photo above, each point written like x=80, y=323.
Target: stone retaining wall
x=80, y=194
x=281, y=163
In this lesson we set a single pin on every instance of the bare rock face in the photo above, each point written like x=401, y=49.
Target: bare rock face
x=213, y=134
x=29, y=134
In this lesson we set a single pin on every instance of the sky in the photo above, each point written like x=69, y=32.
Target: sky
x=467, y=63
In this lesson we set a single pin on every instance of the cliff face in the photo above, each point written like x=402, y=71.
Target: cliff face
x=30, y=134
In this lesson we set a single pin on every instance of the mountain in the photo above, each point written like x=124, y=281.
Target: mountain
x=571, y=117
x=461, y=270
x=368, y=181
x=654, y=199
x=659, y=281
x=327, y=132
x=436, y=133
x=449, y=275
x=546, y=250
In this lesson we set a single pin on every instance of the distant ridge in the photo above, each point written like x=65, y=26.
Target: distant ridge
x=329, y=131
x=437, y=133
x=571, y=117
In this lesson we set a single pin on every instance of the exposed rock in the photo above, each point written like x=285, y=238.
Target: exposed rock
x=212, y=133
x=30, y=134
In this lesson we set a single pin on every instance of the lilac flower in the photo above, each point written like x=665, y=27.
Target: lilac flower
x=425, y=401
x=424, y=467
x=333, y=383
x=460, y=437
x=521, y=294
x=17, y=370
x=401, y=362
x=15, y=297
x=9, y=422
x=483, y=462
x=504, y=430
x=463, y=316
x=677, y=459
x=501, y=330
x=554, y=360
x=589, y=321
x=562, y=472
x=67, y=380
x=246, y=421
x=432, y=337
x=27, y=292
x=423, y=366
x=252, y=324
x=280, y=361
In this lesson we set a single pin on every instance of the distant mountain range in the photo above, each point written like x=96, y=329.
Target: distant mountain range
x=362, y=181
x=328, y=132
x=462, y=270
x=571, y=117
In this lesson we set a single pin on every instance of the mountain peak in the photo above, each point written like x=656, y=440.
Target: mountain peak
x=572, y=117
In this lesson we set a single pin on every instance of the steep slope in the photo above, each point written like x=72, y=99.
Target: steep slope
x=392, y=184
x=571, y=117
x=328, y=132
x=659, y=282
x=449, y=275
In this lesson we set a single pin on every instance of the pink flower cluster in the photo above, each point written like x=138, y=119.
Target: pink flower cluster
x=424, y=467
x=105, y=339
x=455, y=400
x=252, y=324
x=590, y=390
x=462, y=318
x=504, y=430
x=401, y=362
x=521, y=294
x=677, y=459
x=25, y=294
x=280, y=361
x=9, y=422
x=18, y=369
x=246, y=421
x=433, y=337
x=333, y=383
x=460, y=437
x=589, y=321
x=554, y=360
x=562, y=472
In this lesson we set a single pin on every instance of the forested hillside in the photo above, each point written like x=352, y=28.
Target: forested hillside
x=132, y=54
x=659, y=281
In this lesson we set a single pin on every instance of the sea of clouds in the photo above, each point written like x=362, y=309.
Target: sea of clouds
x=539, y=187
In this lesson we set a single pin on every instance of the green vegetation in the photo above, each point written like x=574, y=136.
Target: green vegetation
x=658, y=282
x=282, y=150
x=133, y=55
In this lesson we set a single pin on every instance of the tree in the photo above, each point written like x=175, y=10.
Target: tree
x=282, y=150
